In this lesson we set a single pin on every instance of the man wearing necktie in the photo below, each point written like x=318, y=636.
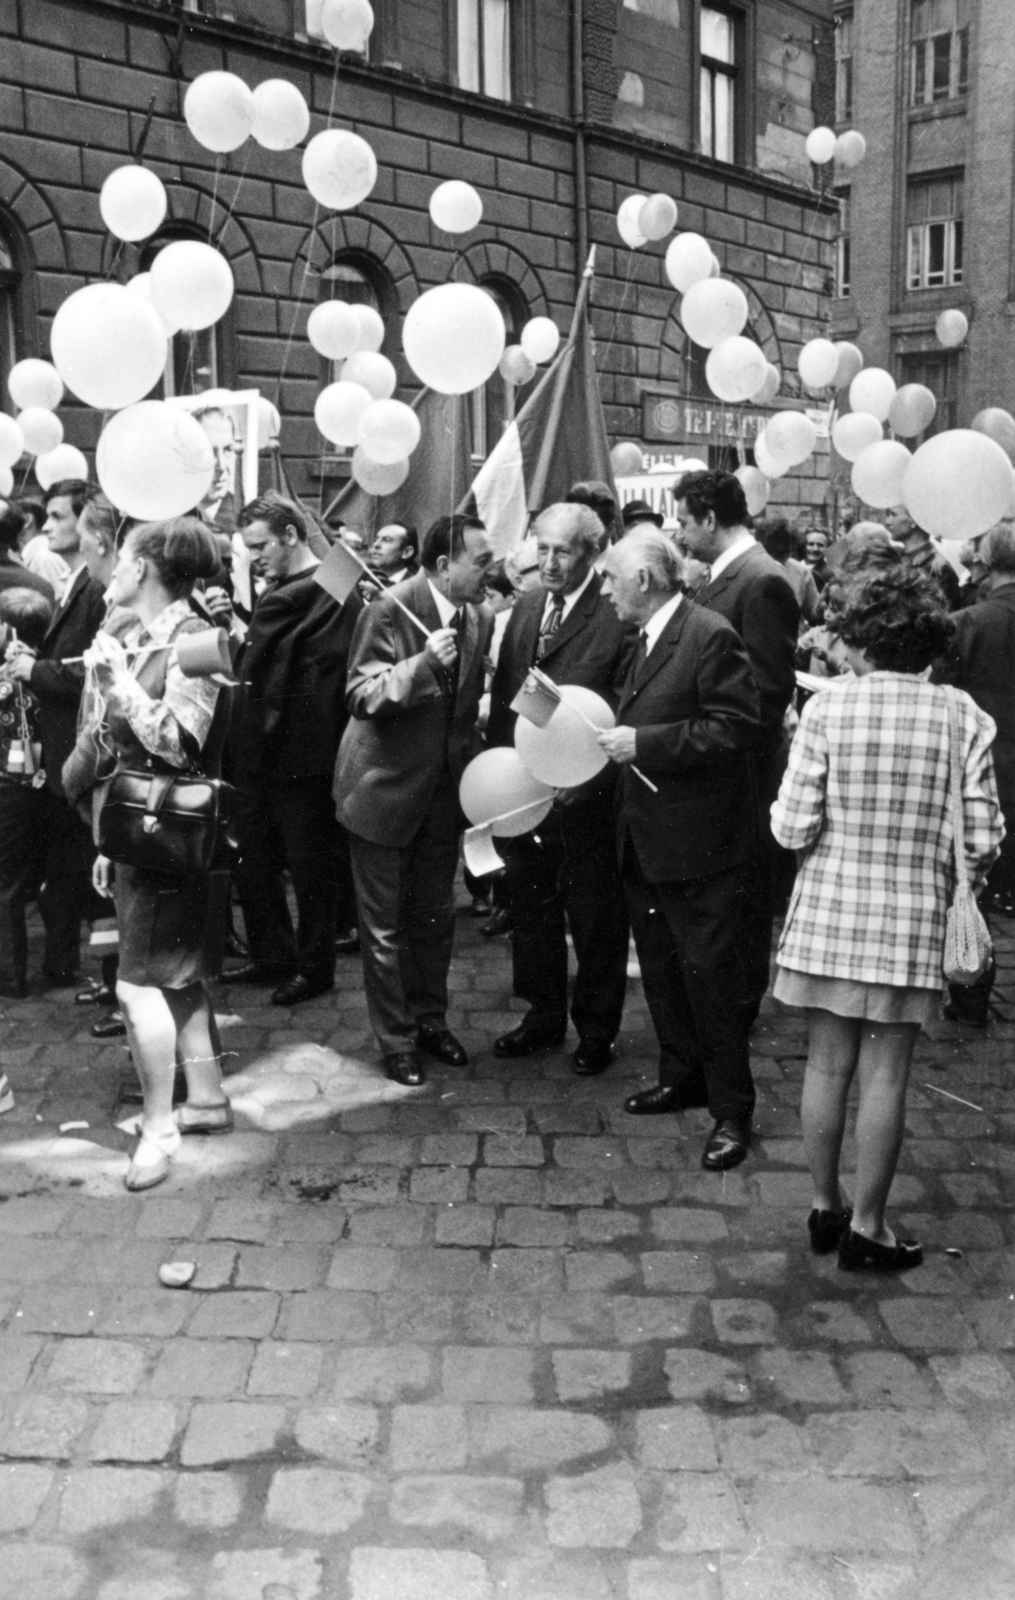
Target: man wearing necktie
x=564, y=875
x=413, y=696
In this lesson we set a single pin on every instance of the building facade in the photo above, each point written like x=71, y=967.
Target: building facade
x=555, y=110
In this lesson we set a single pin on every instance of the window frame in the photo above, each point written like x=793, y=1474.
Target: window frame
x=916, y=366
x=736, y=72
x=923, y=239
x=924, y=58
x=843, y=24
x=18, y=299
x=221, y=334
x=512, y=62
x=843, y=245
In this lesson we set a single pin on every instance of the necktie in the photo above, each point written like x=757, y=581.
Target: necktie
x=641, y=654
x=457, y=622
x=551, y=622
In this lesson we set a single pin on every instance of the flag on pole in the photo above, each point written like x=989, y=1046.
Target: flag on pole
x=557, y=439
x=440, y=471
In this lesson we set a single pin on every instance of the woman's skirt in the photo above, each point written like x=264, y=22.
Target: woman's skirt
x=172, y=930
x=872, y=1002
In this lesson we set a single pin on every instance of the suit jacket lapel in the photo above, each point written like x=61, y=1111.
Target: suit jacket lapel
x=77, y=582
x=657, y=656
x=423, y=603
x=717, y=585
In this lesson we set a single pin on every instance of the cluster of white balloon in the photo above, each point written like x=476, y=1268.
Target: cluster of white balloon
x=824, y=145
x=36, y=389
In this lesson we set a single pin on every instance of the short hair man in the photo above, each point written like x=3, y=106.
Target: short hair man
x=688, y=719
x=566, y=877
x=394, y=553
x=35, y=552
x=413, y=694
x=13, y=573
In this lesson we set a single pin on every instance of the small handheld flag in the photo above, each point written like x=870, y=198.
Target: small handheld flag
x=537, y=699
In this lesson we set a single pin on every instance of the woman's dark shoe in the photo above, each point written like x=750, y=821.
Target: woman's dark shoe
x=826, y=1228
x=111, y=1027
x=858, y=1254
x=96, y=994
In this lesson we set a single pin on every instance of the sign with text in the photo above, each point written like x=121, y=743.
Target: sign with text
x=704, y=422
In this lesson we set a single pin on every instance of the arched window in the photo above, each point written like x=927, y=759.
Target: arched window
x=11, y=320
x=494, y=405
x=360, y=280
x=195, y=362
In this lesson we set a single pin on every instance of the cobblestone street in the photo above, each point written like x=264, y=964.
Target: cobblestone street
x=494, y=1338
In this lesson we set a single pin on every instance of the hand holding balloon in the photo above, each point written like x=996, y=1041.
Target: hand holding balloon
x=619, y=743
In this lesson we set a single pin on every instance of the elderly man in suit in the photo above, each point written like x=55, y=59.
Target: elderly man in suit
x=753, y=594
x=413, y=694
x=688, y=719
x=565, y=874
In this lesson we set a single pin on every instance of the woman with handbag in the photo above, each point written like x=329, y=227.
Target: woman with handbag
x=867, y=804
x=163, y=727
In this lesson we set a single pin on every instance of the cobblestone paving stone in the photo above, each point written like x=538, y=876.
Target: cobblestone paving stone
x=494, y=1338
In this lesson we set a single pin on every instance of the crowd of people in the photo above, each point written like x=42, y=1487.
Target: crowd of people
x=730, y=796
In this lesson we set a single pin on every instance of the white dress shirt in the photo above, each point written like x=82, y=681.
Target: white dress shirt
x=446, y=611
x=737, y=548
x=656, y=623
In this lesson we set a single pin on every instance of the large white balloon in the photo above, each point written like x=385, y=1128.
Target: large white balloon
x=628, y=214
x=338, y=411
x=455, y=207
x=951, y=328
x=850, y=363
x=771, y=466
x=35, y=383
x=339, y=169
x=389, y=431
x=109, y=346
x=191, y=284
x=688, y=261
x=334, y=329
x=657, y=217
x=7, y=482
x=850, y=148
x=453, y=337
x=566, y=752
x=820, y=146
x=61, y=465
x=141, y=285
x=854, y=432
x=712, y=310
x=375, y=372
x=878, y=473
x=515, y=366
x=626, y=458
x=347, y=24
x=911, y=411
x=540, y=339
x=736, y=369
x=219, y=111
x=495, y=782
x=371, y=328
x=376, y=477
x=770, y=388
x=756, y=488
x=818, y=363
x=281, y=115
x=42, y=429
x=133, y=203
x=873, y=390
x=154, y=460
x=958, y=484
x=790, y=436
x=998, y=425
x=12, y=441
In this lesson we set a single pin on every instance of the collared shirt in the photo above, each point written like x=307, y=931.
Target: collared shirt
x=655, y=624
x=447, y=611
x=569, y=599
x=187, y=703
x=737, y=548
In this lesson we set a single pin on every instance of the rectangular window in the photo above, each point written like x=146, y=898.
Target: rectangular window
x=934, y=233
x=843, y=285
x=939, y=51
x=844, y=67
x=718, y=87
x=484, y=47
x=937, y=371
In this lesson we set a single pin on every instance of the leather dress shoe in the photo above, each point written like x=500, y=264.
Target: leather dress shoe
x=300, y=988
x=664, y=1097
x=111, y=1027
x=592, y=1057
x=96, y=994
x=254, y=972
x=347, y=943
x=727, y=1144
x=442, y=1045
x=404, y=1068
x=529, y=1037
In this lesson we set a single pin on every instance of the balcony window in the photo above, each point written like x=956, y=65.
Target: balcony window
x=484, y=47
x=934, y=233
x=844, y=67
x=718, y=84
x=938, y=372
x=939, y=51
x=843, y=283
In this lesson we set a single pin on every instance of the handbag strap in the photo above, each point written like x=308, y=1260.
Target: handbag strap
x=955, y=789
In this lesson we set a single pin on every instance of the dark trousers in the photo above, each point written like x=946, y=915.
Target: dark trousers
x=406, y=900
x=687, y=935
x=66, y=898
x=565, y=875
x=289, y=825
x=22, y=848
x=765, y=882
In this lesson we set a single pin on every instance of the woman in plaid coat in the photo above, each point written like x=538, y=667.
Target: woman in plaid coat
x=865, y=803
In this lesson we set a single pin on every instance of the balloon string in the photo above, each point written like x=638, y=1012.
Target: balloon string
x=214, y=198
x=236, y=193
x=617, y=314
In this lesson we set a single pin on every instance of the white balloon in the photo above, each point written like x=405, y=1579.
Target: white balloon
x=133, y=203
x=515, y=366
x=35, y=383
x=269, y=423
x=820, y=146
x=108, y=346
x=626, y=459
x=688, y=261
x=818, y=363
x=7, y=482
x=371, y=328
x=627, y=221
x=850, y=148
x=281, y=115
x=873, y=390
x=736, y=369
x=770, y=465
x=338, y=411
x=61, y=465
x=219, y=111
x=850, y=363
x=453, y=337
x=712, y=310
x=854, y=433
x=790, y=436
x=456, y=207
x=42, y=429
x=191, y=284
x=375, y=477
x=770, y=388
x=565, y=753
x=878, y=473
x=334, y=329
x=912, y=410
x=389, y=431
x=347, y=24
x=12, y=441
x=375, y=372
x=657, y=217
x=716, y=269
x=998, y=425
x=951, y=328
x=540, y=339
x=154, y=460
x=756, y=489
x=141, y=285
x=495, y=782
x=339, y=169
x=958, y=484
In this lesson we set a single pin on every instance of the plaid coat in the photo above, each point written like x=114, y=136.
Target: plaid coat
x=865, y=798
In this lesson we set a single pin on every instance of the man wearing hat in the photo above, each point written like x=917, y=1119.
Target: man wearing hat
x=639, y=511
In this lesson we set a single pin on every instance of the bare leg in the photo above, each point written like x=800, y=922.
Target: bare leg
x=833, y=1047
x=199, y=1055
x=151, y=1030
x=885, y=1053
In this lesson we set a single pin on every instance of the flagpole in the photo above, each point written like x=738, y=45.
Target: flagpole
x=549, y=444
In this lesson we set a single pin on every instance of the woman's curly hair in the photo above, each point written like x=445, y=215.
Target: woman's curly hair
x=898, y=617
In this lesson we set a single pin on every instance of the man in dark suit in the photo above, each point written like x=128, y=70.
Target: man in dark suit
x=287, y=721
x=688, y=719
x=66, y=893
x=394, y=554
x=753, y=594
x=413, y=694
x=565, y=873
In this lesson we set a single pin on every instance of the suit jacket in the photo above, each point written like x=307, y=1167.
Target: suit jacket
x=756, y=598
x=694, y=705
x=290, y=708
x=409, y=722
x=57, y=687
x=981, y=660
